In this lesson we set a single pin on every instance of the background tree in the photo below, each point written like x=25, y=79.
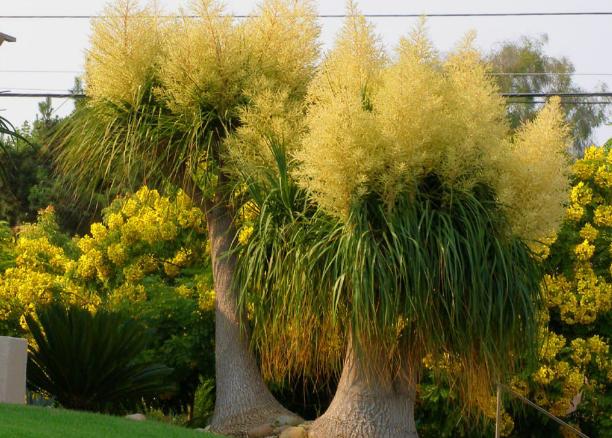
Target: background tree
x=6, y=164
x=29, y=183
x=523, y=66
x=165, y=97
x=409, y=240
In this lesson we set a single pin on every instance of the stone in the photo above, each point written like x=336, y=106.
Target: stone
x=278, y=430
x=13, y=362
x=136, y=417
x=294, y=432
x=261, y=431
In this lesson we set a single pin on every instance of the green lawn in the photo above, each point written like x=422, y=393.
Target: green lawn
x=34, y=422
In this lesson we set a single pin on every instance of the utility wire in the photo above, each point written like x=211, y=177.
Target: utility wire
x=50, y=90
x=539, y=73
x=432, y=15
x=8, y=93
x=552, y=73
x=563, y=102
x=46, y=71
x=543, y=411
x=599, y=94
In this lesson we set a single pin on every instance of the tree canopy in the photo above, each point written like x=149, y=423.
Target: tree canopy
x=524, y=67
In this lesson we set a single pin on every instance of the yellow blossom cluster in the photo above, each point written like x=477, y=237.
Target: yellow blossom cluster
x=380, y=126
x=39, y=253
x=43, y=273
x=581, y=300
x=138, y=236
x=206, y=300
x=127, y=45
x=578, y=292
x=130, y=226
x=589, y=232
x=245, y=234
x=570, y=372
x=603, y=215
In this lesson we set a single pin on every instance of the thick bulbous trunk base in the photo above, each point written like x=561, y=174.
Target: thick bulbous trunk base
x=258, y=417
x=368, y=404
x=371, y=419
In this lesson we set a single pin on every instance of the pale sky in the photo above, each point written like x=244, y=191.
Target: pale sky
x=57, y=46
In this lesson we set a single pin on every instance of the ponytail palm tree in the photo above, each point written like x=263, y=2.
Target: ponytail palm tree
x=403, y=233
x=164, y=100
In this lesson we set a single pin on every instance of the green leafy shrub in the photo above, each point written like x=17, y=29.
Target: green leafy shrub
x=7, y=244
x=146, y=260
x=89, y=361
x=204, y=402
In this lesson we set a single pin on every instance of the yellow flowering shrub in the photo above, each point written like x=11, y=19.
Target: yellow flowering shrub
x=45, y=270
x=142, y=235
x=573, y=380
x=123, y=265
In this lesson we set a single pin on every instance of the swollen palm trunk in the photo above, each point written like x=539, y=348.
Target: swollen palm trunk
x=242, y=400
x=368, y=405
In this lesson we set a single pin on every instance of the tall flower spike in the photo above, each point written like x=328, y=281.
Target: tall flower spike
x=534, y=180
x=283, y=37
x=356, y=60
x=126, y=47
x=410, y=111
x=476, y=120
x=204, y=71
x=341, y=150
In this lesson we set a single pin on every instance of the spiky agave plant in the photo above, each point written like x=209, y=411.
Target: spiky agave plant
x=165, y=99
x=414, y=240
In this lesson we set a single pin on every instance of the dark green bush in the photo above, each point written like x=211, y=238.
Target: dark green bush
x=88, y=361
x=204, y=402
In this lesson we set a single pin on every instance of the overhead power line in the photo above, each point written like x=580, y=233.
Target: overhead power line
x=564, y=102
x=7, y=93
x=41, y=71
x=11, y=94
x=551, y=73
x=429, y=15
x=601, y=94
x=47, y=90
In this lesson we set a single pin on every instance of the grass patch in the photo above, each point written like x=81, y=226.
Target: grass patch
x=17, y=421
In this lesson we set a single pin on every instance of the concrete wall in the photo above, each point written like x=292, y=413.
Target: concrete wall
x=13, y=360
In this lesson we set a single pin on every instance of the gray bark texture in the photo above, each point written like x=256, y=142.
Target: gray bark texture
x=368, y=405
x=243, y=400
